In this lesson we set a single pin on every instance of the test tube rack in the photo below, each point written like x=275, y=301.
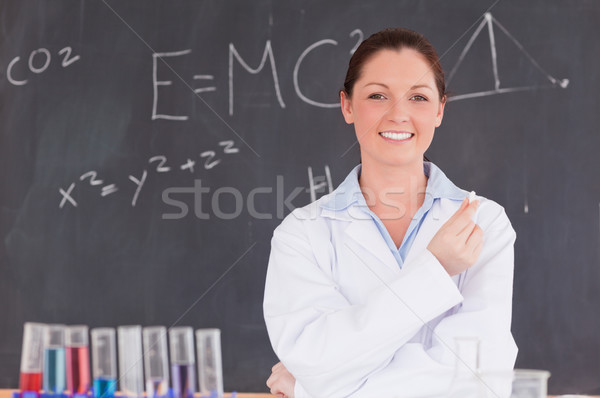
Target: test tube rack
x=33, y=394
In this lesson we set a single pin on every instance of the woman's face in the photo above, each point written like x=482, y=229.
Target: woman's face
x=395, y=108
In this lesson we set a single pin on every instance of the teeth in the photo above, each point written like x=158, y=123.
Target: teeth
x=396, y=136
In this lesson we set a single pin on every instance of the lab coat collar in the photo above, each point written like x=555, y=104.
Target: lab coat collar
x=347, y=203
x=348, y=192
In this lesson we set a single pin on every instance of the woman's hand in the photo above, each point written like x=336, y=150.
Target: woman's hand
x=458, y=243
x=281, y=382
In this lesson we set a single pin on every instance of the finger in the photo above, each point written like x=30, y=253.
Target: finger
x=276, y=366
x=475, y=239
x=477, y=251
x=464, y=219
x=471, y=209
x=275, y=390
x=476, y=233
x=458, y=212
x=467, y=231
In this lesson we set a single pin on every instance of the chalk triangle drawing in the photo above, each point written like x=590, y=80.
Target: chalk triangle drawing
x=490, y=22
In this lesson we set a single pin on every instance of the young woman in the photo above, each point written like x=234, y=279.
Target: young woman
x=368, y=286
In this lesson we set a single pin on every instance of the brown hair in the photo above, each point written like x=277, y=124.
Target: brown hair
x=394, y=39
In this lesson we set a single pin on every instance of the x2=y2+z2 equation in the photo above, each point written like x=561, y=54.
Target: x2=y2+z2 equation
x=92, y=179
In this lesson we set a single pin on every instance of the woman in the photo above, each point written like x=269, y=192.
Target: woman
x=368, y=286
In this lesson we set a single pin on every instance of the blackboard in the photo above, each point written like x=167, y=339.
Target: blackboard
x=147, y=150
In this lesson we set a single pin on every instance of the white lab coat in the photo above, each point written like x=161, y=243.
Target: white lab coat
x=346, y=320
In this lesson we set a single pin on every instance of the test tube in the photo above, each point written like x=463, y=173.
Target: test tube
x=32, y=357
x=104, y=362
x=54, y=359
x=131, y=374
x=210, y=370
x=156, y=361
x=78, y=359
x=183, y=371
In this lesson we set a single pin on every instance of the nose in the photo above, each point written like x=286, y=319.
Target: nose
x=397, y=112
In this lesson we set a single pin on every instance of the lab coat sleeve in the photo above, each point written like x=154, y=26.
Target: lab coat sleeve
x=328, y=344
x=485, y=313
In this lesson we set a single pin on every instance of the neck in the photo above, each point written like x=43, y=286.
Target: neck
x=392, y=190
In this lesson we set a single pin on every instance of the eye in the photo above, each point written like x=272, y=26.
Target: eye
x=418, y=98
x=377, y=96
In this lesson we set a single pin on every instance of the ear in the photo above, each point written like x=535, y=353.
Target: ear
x=346, y=105
x=440, y=114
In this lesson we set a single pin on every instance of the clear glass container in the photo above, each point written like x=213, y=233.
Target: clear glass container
x=131, y=371
x=32, y=357
x=467, y=381
x=183, y=369
x=210, y=369
x=156, y=361
x=54, y=359
x=77, y=359
x=104, y=362
x=530, y=383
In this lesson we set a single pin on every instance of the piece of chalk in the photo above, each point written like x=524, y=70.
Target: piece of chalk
x=471, y=196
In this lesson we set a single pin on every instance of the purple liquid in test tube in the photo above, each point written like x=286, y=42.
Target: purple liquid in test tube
x=183, y=367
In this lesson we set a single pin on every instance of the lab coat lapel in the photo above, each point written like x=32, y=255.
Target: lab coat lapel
x=364, y=233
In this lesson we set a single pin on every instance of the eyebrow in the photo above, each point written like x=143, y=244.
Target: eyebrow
x=416, y=86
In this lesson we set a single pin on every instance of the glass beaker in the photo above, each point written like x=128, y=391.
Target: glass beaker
x=467, y=382
x=530, y=383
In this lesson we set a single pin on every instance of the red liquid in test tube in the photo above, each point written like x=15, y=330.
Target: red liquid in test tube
x=30, y=382
x=77, y=359
x=32, y=357
x=78, y=369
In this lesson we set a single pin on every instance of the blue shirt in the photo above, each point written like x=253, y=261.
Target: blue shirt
x=438, y=186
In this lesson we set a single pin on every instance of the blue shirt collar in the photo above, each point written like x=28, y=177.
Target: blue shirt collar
x=349, y=193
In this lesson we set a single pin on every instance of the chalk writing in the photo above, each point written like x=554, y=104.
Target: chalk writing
x=318, y=183
x=39, y=61
x=490, y=21
x=267, y=53
x=236, y=58
x=66, y=196
x=160, y=163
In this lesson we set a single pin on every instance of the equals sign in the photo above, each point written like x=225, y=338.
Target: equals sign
x=204, y=89
x=108, y=189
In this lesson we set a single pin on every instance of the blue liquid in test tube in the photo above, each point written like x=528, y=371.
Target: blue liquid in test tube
x=104, y=387
x=54, y=370
x=104, y=362
x=54, y=373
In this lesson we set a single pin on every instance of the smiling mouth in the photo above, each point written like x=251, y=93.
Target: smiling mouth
x=396, y=136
